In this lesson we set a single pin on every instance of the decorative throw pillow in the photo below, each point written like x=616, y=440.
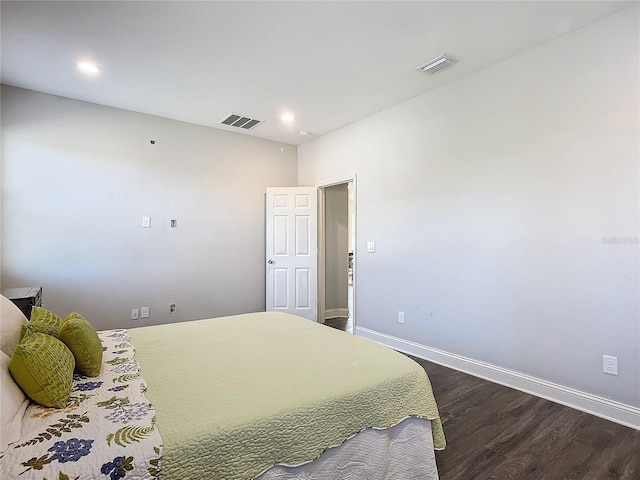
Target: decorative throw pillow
x=43, y=367
x=11, y=321
x=13, y=402
x=83, y=341
x=42, y=321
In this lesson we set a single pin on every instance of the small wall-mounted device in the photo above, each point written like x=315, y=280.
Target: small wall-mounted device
x=610, y=365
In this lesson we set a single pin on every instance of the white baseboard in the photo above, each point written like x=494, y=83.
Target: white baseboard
x=336, y=312
x=599, y=406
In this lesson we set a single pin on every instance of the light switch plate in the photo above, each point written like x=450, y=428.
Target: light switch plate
x=371, y=247
x=146, y=222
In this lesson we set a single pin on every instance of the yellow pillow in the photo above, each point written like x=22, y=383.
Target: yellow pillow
x=43, y=367
x=83, y=341
x=42, y=321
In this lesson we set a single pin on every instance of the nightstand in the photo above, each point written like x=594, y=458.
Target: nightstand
x=24, y=298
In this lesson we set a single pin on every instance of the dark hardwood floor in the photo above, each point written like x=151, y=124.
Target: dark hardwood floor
x=495, y=432
x=340, y=323
x=498, y=433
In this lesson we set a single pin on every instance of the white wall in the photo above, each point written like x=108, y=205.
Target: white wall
x=77, y=178
x=489, y=199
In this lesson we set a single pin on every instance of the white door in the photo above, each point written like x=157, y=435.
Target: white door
x=292, y=250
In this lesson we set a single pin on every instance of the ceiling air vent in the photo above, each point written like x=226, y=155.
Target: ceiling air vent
x=437, y=64
x=239, y=121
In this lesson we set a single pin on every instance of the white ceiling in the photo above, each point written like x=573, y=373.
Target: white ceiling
x=329, y=63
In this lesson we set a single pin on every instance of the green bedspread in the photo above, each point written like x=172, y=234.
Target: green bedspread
x=234, y=395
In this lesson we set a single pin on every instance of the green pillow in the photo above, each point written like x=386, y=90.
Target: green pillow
x=83, y=341
x=42, y=321
x=43, y=367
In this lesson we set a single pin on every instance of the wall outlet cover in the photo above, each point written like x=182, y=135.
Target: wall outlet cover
x=610, y=365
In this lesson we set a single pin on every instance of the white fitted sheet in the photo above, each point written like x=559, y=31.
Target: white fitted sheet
x=402, y=452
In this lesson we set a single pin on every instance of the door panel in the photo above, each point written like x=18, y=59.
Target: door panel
x=280, y=235
x=303, y=294
x=280, y=289
x=291, y=250
x=303, y=232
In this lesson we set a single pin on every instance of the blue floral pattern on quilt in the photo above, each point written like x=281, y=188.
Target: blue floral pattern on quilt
x=106, y=431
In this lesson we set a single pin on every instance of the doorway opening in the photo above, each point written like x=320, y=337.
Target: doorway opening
x=337, y=253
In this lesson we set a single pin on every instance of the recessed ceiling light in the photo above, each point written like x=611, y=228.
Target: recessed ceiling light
x=303, y=133
x=287, y=117
x=88, y=67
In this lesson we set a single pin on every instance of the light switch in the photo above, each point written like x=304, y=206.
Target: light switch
x=146, y=222
x=371, y=247
x=144, y=312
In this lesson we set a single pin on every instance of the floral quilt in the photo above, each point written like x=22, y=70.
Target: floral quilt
x=106, y=431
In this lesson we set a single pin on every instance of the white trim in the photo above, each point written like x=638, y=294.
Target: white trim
x=321, y=186
x=321, y=254
x=336, y=312
x=599, y=406
x=337, y=181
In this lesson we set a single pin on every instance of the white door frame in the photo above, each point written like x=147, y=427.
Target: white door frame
x=352, y=179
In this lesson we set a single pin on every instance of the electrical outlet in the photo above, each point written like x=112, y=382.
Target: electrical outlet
x=400, y=317
x=134, y=314
x=610, y=365
x=144, y=312
x=172, y=308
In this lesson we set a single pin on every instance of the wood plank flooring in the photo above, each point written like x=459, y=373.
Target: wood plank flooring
x=494, y=432
x=340, y=323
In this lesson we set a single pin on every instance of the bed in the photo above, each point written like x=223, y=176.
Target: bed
x=265, y=396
